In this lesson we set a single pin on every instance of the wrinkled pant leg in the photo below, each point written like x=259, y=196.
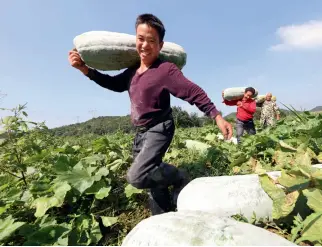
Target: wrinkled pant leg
x=250, y=128
x=270, y=121
x=148, y=171
x=239, y=130
x=150, y=147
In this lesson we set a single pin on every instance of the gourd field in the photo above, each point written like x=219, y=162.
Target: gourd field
x=65, y=190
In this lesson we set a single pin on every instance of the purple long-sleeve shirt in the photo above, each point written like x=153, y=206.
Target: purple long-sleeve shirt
x=150, y=91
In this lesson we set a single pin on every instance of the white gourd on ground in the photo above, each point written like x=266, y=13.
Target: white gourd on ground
x=229, y=195
x=103, y=50
x=236, y=93
x=188, y=228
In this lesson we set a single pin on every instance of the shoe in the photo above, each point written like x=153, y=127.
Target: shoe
x=183, y=180
x=160, y=201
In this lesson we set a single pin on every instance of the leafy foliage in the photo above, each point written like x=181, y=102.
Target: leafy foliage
x=71, y=189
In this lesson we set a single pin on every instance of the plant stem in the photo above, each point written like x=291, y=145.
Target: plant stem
x=12, y=174
x=24, y=178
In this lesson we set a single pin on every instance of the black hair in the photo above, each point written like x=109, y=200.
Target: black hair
x=250, y=89
x=152, y=21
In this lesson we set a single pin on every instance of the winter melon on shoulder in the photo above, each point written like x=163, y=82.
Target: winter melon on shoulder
x=236, y=93
x=105, y=50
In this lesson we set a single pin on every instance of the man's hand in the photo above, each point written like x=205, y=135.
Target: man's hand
x=76, y=61
x=225, y=127
x=239, y=104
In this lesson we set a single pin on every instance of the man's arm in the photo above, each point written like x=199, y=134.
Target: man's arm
x=277, y=111
x=180, y=87
x=249, y=107
x=230, y=102
x=118, y=83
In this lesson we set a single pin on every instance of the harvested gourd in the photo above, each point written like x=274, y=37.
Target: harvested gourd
x=103, y=50
x=261, y=98
x=236, y=93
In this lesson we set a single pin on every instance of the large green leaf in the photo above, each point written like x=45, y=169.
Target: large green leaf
x=81, y=178
x=314, y=197
x=303, y=159
x=316, y=175
x=295, y=179
x=283, y=204
x=49, y=235
x=312, y=226
x=42, y=204
x=269, y=186
x=8, y=226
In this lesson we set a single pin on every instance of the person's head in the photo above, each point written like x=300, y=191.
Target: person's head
x=268, y=96
x=249, y=93
x=149, y=37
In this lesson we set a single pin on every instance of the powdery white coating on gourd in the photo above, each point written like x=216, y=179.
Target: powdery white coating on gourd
x=103, y=50
x=229, y=195
x=199, y=228
x=226, y=196
x=236, y=93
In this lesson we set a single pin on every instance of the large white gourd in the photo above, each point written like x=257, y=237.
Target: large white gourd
x=199, y=229
x=103, y=50
x=236, y=93
x=229, y=195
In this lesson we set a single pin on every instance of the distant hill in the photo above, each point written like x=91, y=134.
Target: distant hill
x=111, y=124
x=317, y=109
x=99, y=126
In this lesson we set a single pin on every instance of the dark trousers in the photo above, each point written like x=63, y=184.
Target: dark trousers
x=242, y=126
x=148, y=171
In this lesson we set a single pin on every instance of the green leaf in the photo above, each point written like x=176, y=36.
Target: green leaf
x=211, y=137
x=319, y=157
x=197, y=145
x=314, y=197
x=78, y=179
x=8, y=226
x=9, y=119
x=130, y=190
x=283, y=158
x=296, y=179
x=303, y=159
x=286, y=146
x=115, y=165
x=282, y=207
x=312, y=228
x=48, y=235
x=283, y=204
x=42, y=204
x=103, y=192
x=109, y=221
x=270, y=187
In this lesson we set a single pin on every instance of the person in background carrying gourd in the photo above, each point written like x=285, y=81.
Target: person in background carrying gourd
x=269, y=111
x=149, y=85
x=246, y=108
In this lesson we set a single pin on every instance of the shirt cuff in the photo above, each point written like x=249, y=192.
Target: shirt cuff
x=214, y=113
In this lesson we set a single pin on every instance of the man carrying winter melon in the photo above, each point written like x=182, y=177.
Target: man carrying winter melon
x=269, y=111
x=149, y=85
x=246, y=108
